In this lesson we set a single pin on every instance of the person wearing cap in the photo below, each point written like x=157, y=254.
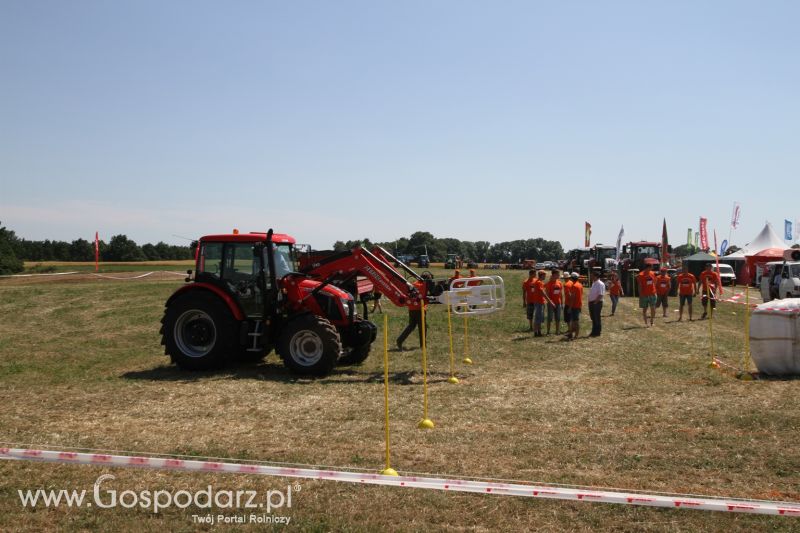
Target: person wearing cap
x=474, y=282
x=415, y=306
x=646, y=280
x=596, y=294
x=555, y=290
x=576, y=302
x=456, y=275
x=663, y=284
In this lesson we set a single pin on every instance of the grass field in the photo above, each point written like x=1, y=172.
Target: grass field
x=81, y=366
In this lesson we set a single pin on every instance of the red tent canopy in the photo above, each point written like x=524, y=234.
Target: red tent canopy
x=761, y=258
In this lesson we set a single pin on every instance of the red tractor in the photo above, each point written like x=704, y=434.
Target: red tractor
x=247, y=298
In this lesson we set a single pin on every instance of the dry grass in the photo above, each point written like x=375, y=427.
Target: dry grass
x=81, y=366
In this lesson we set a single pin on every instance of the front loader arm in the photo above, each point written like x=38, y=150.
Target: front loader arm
x=386, y=279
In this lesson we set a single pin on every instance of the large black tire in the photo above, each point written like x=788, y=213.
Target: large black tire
x=355, y=355
x=198, y=331
x=310, y=345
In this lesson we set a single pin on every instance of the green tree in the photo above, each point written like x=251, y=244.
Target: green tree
x=9, y=262
x=121, y=248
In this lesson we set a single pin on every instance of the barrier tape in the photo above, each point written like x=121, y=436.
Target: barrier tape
x=457, y=485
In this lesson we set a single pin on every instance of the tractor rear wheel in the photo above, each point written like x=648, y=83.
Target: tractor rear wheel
x=198, y=331
x=310, y=345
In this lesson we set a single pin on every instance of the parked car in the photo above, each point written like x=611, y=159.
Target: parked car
x=726, y=274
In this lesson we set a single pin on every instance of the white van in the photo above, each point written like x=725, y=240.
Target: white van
x=726, y=274
x=780, y=279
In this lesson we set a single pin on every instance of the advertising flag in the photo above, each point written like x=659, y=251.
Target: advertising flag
x=737, y=210
x=664, y=244
x=696, y=239
x=588, y=237
x=619, y=241
x=723, y=247
x=787, y=229
x=703, y=233
x=689, y=237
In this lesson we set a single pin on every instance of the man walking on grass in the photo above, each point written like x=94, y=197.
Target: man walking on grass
x=710, y=285
x=646, y=280
x=663, y=284
x=596, y=294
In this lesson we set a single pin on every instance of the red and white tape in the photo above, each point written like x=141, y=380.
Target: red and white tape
x=458, y=485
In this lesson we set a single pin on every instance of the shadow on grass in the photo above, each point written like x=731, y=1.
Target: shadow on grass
x=279, y=373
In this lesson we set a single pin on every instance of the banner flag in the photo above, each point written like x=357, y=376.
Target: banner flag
x=619, y=241
x=704, y=233
x=723, y=247
x=697, y=239
x=689, y=237
x=664, y=244
x=737, y=211
x=588, y=237
x=96, y=251
x=787, y=229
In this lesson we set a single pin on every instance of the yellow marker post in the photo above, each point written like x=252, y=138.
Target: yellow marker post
x=425, y=423
x=467, y=360
x=710, y=311
x=452, y=379
x=745, y=374
x=388, y=471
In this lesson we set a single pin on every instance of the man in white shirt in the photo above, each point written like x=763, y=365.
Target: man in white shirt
x=596, y=294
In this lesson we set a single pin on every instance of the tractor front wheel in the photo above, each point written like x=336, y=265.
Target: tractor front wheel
x=310, y=345
x=198, y=331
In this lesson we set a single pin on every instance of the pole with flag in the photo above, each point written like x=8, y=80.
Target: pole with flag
x=619, y=241
x=588, y=235
x=737, y=211
x=96, y=251
x=696, y=240
x=664, y=244
x=787, y=229
x=704, y=234
x=716, y=253
x=689, y=238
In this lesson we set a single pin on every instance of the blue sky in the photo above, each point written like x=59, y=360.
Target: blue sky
x=339, y=120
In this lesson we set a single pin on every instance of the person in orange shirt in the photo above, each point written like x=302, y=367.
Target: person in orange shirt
x=567, y=299
x=415, y=312
x=555, y=292
x=646, y=280
x=711, y=284
x=687, y=289
x=539, y=297
x=473, y=282
x=615, y=290
x=456, y=275
x=527, y=296
x=663, y=284
x=575, y=304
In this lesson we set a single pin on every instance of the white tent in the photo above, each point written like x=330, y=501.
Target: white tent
x=767, y=238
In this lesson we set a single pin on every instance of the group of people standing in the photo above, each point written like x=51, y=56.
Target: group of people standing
x=560, y=298
x=540, y=293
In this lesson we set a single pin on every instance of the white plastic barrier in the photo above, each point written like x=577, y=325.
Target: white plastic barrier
x=775, y=337
x=479, y=295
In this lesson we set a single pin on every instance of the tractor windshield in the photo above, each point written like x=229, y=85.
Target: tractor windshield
x=606, y=253
x=648, y=251
x=284, y=260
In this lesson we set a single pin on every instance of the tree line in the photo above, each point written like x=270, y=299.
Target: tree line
x=14, y=250
x=479, y=251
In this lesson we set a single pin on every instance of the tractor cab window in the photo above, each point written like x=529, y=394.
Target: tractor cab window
x=239, y=264
x=210, y=260
x=284, y=260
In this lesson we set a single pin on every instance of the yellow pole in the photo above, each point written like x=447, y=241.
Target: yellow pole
x=746, y=375
x=713, y=363
x=388, y=471
x=467, y=360
x=425, y=423
x=453, y=378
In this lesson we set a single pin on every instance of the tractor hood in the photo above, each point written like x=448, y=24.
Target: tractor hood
x=308, y=285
